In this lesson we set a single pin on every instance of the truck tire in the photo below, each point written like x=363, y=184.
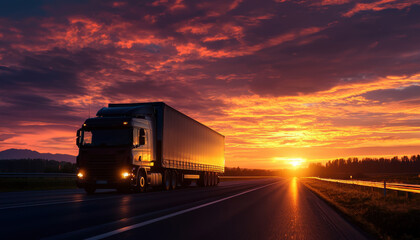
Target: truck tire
x=141, y=181
x=213, y=179
x=166, y=183
x=174, y=180
x=217, y=179
x=210, y=180
x=90, y=190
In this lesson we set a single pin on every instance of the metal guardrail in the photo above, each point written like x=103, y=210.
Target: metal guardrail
x=414, y=188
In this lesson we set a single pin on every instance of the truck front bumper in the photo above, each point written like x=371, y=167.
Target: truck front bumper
x=82, y=183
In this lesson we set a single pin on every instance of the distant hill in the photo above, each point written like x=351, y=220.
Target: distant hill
x=26, y=153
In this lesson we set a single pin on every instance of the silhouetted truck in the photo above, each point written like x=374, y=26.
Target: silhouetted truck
x=136, y=146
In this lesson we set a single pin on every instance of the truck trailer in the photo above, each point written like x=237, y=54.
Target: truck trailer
x=131, y=147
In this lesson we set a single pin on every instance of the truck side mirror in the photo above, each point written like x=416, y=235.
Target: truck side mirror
x=78, y=137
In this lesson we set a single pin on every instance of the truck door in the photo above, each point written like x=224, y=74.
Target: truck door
x=141, y=146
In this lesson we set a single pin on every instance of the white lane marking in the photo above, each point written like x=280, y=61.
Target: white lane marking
x=142, y=224
x=23, y=205
x=53, y=203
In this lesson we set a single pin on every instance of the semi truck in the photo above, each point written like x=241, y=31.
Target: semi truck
x=135, y=146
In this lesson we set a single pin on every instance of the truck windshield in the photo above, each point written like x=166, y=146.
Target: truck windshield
x=107, y=137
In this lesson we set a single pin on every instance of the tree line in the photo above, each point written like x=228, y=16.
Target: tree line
x=355, y=166
x=36, y=166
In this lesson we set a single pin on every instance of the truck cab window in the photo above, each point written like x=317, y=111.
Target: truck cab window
x=142, y=137
x=139, y=137
x=106, y=137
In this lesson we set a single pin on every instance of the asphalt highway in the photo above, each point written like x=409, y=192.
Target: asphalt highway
x=251, y=209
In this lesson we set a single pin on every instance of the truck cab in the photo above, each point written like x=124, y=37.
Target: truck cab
x=114, y=152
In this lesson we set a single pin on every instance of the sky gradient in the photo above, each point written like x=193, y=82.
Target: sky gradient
x=282, y=80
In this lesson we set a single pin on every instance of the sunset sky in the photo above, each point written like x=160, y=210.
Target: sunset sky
x=285, y=81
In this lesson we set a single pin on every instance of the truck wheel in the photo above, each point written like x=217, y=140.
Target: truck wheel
x=141, y=182
x=166, y=180
x=209, y=181
x=174, y=181
x=90, y=190
x=217, y=179
x=213, y=179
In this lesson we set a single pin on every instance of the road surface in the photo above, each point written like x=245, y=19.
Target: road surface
x=252, y=209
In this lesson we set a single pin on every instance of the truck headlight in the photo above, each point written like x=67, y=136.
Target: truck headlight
x=80, y=175
x=125, y=174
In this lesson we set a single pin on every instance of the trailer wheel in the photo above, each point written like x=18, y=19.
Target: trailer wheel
x=174, y=180
x=90, y=190
x=217, y=179
x=141, y=181
x=166, y=180
x=210, y=179
x=213, y=179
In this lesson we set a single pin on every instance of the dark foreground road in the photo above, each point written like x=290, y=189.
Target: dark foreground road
x=254, y=209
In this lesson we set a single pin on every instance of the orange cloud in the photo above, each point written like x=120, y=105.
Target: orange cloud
x=379, y=6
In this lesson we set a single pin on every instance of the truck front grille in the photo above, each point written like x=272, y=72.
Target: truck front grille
x=102, y=167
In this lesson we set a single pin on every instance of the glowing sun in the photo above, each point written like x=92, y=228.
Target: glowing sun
x=296, y=162
x=293, y=162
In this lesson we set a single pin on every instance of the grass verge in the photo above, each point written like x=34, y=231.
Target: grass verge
x=393, y=217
